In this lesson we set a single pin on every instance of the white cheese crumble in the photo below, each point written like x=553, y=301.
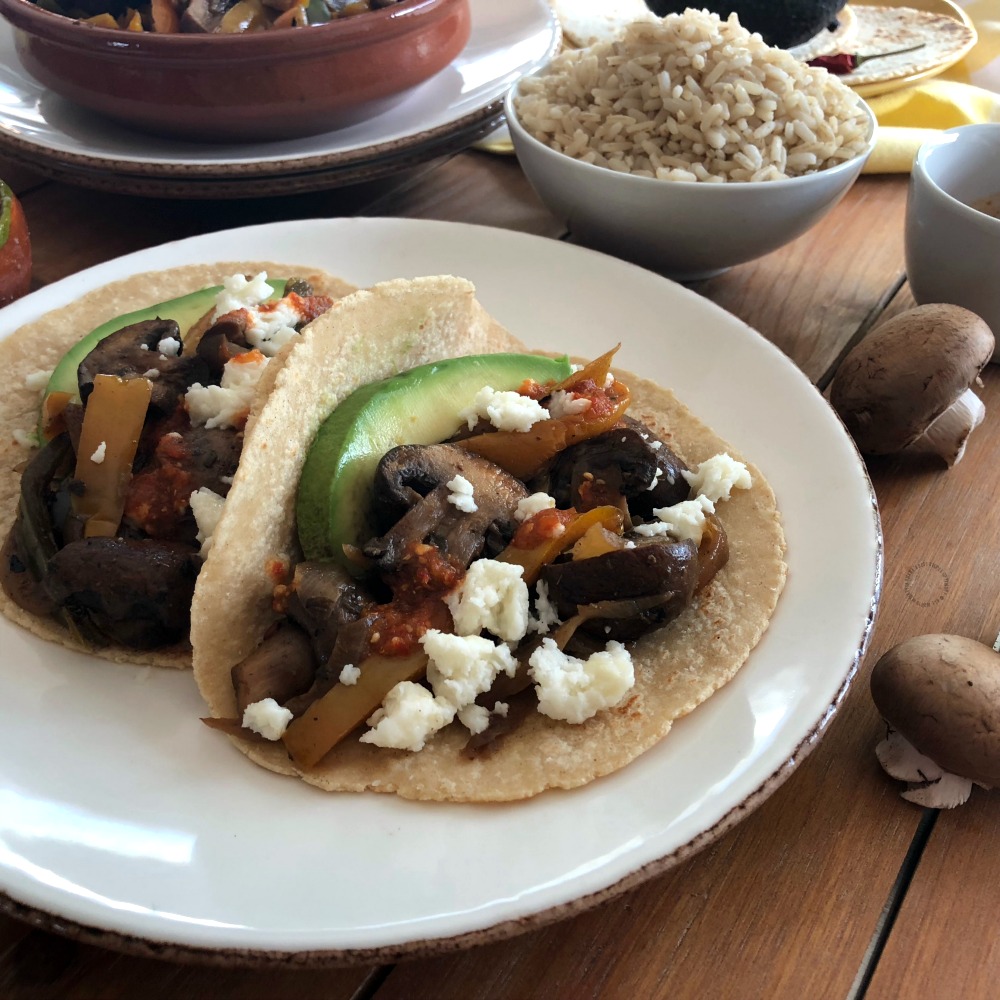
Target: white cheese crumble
x=546, y=617
x=26, y=439
x=717, y=477
x=529, y=506
x=409, y=715
x=350, y=674
x=37, y=379
x=656, y=445
x=226, y=404
x=656, y=479
x=567, y=404
x=270, y=328
x=206, y=505
x=99, y=452
x=506, y=411
x=460, y=667
x=239, y=293
x=491, y=596
x=169, y=347
x=475, y=718
x=267, y=718
x=574, y=690
x=461, y=494
x=684, y=520
x=151, y=373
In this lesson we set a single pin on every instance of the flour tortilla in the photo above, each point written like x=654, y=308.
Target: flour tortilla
x=944, y=41
x=372, y=335
x=585, y=22
x=39, y=345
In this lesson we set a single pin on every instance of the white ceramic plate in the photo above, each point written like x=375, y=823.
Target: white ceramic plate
x=121, y=813
x=508, y=40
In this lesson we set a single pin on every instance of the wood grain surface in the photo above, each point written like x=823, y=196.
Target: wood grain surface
x=835, y=887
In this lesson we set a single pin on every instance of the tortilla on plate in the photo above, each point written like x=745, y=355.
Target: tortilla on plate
x=375, y=334
x=40, y=344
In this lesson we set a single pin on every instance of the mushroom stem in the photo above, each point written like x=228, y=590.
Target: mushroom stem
x=948, y=434
x=927, y=784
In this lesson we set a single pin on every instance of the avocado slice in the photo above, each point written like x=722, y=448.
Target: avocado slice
x=419, y=406
x=186, y=310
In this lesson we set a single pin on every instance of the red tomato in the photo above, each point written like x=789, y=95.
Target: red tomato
x=15, y=248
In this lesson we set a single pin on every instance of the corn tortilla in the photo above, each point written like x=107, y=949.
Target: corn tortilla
x=40, y=344
x=372, y=335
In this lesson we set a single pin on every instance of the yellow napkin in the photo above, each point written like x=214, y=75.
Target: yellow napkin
x=967, y=93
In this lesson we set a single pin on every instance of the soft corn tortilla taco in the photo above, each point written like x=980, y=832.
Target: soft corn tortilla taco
x=38, y=346
x=373, y=335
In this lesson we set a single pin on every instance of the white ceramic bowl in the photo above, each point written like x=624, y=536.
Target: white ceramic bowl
x=952, y=249
x=684, y=229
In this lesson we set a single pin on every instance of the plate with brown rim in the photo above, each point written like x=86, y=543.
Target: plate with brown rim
x=126, y=822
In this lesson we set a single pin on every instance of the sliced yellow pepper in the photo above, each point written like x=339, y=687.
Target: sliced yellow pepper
x=112, y=424
x=533, y=559
x=310, y=737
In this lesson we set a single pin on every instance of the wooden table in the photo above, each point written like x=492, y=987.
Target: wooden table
x=835, y=887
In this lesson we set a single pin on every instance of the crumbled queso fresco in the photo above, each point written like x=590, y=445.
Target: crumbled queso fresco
x=267, y=718
x=206, y=505
x=226, y=404
x=506, y=411
x=270, y=326
x=461, y=495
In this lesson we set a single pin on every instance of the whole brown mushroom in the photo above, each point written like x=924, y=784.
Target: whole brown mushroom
x=906, y=386
x=941, y=694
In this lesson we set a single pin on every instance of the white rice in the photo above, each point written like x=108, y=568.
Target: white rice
x=692, y=97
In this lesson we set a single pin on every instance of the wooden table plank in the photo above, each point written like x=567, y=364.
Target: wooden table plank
x=807, y=296
x=476, y=187
x=943, y=528
x=35, y=965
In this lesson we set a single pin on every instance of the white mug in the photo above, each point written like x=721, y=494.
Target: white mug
x=952, y=240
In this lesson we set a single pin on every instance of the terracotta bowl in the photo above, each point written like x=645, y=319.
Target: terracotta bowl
x=276, y=84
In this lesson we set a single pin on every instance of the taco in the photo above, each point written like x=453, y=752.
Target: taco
x=102, y=547
x=347, y=577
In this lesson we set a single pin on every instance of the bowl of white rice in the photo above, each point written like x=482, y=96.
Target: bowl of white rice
x=687, y=144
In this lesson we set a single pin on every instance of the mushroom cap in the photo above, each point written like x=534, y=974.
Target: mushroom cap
x=942, y=692
x=893, y=384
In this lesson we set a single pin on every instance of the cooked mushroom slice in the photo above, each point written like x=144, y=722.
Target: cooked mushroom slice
x=204, y=15
x=132, y=353
x=221, y=343
x=670, y=486
x=906, y=386
x=620, y=462
x=411, y=486
x=136, y=593
x=281, y=667
x=324, y=598
x=655, y=568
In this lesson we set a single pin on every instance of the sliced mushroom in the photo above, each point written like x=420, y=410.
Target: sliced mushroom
x=136, y=593
x=132, y=353
x=204, y=15
x=281, y=667
x=411, y=493
x=628, y=460
x=906, y=386
x=656, y=568
x=324, y=598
